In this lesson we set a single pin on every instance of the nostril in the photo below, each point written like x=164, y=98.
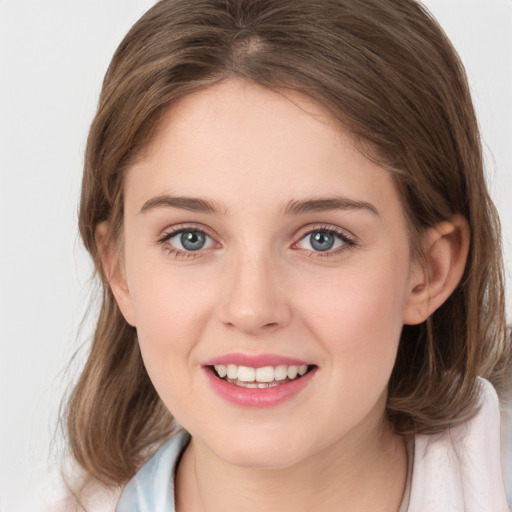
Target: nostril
x=253, y=328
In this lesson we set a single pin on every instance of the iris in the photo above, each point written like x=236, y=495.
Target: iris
x=192, y=240
x=321, y=240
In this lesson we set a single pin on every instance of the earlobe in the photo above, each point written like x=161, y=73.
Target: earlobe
x=113, y=271
x=445, y=249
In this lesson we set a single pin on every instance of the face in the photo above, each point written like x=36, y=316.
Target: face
x=267, y=270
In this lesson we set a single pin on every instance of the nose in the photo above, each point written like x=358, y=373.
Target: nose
x=255, y=299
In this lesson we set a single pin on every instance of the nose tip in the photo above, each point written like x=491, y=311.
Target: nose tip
x=251, y=324
x=256, y=301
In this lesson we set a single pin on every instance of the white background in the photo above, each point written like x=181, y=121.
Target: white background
x=53, y=57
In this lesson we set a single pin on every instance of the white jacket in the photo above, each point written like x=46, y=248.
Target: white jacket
x=459, y=470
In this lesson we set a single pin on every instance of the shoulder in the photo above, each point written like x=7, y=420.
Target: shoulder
x=152, y=488
x=506, y=440
x=460, y=469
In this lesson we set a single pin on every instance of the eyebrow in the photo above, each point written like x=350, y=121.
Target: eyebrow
x=328, y=204
x=191, y=204
x=294, y=207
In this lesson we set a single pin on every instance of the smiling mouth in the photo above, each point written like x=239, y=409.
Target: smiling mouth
x=263, y=377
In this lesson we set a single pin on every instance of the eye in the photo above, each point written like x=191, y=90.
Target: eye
x=325, y=240
x=321, y=240
x=188, y=240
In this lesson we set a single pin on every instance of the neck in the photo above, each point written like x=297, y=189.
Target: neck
x=358, y=474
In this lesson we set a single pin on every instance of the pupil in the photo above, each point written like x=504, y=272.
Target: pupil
x=322, y=241
x=192, y=240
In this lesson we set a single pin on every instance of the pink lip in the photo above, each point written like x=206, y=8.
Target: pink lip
x=256, y=397
x=254, y=360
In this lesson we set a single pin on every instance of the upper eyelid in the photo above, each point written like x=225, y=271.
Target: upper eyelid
x=349, y=241
x=311, y=228
x=171, y=231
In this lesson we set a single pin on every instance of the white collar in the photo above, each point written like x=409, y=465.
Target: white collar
x=460, y=469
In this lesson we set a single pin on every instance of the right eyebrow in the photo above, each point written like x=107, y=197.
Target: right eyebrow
x=328, y=204
x=192, y=204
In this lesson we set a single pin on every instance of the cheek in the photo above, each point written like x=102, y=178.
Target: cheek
x=357, y=313
x=169, y=307
x=168, y=329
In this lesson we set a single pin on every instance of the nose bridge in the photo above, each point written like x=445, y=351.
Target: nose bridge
x=255, y=299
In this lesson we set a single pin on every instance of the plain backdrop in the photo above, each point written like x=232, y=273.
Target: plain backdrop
x=53, y=57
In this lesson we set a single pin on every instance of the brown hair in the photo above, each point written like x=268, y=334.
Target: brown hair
x=385, y=70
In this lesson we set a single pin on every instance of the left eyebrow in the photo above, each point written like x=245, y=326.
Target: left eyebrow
x=192, y=204
x=328, y=204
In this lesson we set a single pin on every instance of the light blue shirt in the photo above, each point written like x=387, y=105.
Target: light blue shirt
x=152, y=488
x=458, y=470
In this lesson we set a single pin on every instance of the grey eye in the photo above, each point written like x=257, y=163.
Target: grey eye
x=192, y=240
x=321, y=240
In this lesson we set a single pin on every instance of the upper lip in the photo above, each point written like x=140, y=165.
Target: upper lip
x=255, y=360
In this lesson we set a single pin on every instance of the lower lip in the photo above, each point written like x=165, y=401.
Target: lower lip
x=258, y=397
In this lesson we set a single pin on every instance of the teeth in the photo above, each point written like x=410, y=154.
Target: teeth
x=221, y=370
x=246, y=374
x=265, y=374
x=232, y=371
x=281, y=372
x=261, y=376
x=292, y=372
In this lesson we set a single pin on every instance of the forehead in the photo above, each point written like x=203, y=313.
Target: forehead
x=237, y=142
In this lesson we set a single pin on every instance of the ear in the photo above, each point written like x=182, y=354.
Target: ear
x=445, y=249
x=113, y=269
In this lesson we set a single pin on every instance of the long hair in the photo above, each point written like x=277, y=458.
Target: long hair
x=385, y=71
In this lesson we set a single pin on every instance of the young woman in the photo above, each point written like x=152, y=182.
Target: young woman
x=301, y=264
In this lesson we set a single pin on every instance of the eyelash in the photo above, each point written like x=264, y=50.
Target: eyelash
x=178, y=253
x=349, y=242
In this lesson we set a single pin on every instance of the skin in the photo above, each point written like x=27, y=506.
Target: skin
x=258, y=286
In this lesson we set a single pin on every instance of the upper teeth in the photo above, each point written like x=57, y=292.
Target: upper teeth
x=264, y=374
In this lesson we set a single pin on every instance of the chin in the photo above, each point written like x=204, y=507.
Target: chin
x=260, y=450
